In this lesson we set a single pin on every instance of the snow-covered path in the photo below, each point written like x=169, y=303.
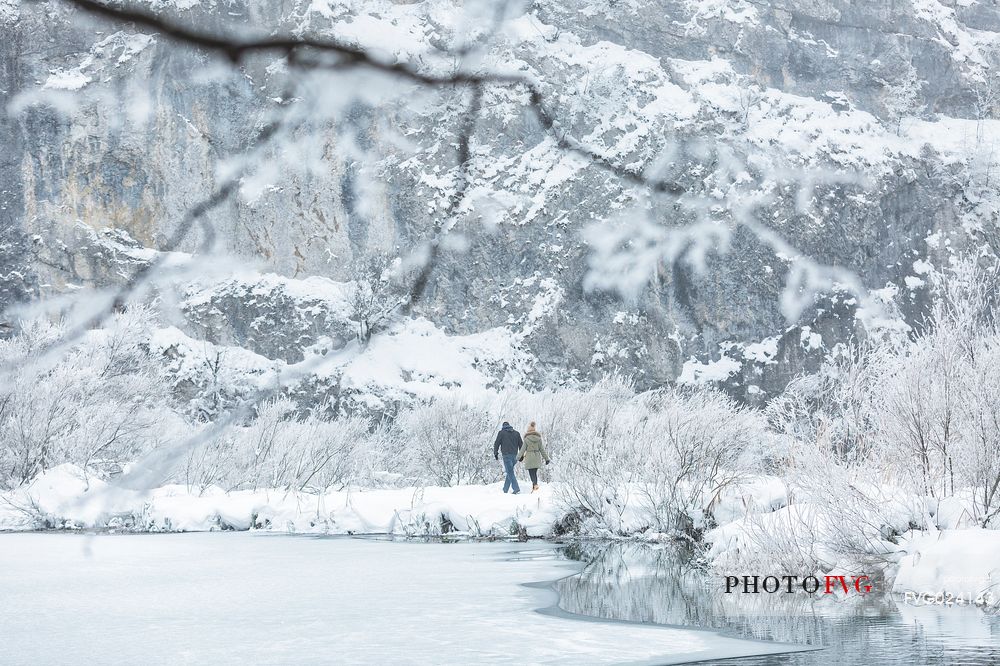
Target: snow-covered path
x=241, y=598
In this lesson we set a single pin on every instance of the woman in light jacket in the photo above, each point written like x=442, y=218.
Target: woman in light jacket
x=532, y=453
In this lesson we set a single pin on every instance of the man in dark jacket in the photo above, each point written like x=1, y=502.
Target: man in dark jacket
x=508, y=443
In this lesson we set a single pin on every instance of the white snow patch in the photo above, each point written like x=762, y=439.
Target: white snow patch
x=760, y=494
x=336, y=297
x=695, y=372
x=161, y=5
x=762, y=352
x=122, y=44
x=10, y=11
x=66, y=80
x=417, y=359
x=963, y=563
x=189, y=357
x=732, y=11
x=699, y=71
x=65, y=497
x=810, y=339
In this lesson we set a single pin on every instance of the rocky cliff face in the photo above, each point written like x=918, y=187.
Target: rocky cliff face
x=864, y=132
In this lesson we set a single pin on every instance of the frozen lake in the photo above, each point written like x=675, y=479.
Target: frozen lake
x=241, y=598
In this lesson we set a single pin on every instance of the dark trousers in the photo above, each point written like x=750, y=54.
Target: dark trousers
x=533, y=473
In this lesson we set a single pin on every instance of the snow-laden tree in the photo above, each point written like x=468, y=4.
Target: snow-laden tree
x=979, y=412
x=666, y=456
x=378, y=294
x=697, y=446
x=901, y=93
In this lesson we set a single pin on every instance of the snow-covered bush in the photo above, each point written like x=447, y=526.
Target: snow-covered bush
x=597, y=471
x=665, y=455
x=281, y=449
x=696, y=444
x=979, y=411
x=769, y=543
x=895, y=435
x=377, y=295
x=447, y=441
x=99, y=404
x=837, y=405
x=938, y=395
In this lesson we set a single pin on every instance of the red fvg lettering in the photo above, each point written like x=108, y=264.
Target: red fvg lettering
x=830, y=580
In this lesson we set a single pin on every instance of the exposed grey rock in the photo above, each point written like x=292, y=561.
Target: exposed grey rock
x=65, y=177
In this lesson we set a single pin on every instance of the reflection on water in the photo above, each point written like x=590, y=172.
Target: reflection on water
x=658, y=584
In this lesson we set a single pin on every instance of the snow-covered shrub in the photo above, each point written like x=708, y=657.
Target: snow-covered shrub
x=696, y=444
x=377, y=294
x=872, y=432
x=596, y=474
x=920, y=399
x=768, y=543
x=594, y=449
x=280, y=448
x=979, y=411
x=838, y=405
x=98, y=404
x=858, y=511
x=656, y=460
x=841, y=514
x=447, y=441
x=893, y=431
x=937, y=395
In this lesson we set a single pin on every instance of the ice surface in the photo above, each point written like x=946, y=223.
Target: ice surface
x=239, y=598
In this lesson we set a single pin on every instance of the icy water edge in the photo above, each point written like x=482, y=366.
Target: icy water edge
x=658, y=584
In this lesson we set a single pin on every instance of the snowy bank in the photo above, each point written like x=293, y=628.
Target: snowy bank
x=955, y=564
x=758, y=527
x=64, y=497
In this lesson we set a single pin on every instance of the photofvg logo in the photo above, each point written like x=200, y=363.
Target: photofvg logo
x=791, y=584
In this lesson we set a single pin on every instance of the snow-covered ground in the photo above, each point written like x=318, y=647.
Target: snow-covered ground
x=64, y=498
x=266, y=599
x=957, y=564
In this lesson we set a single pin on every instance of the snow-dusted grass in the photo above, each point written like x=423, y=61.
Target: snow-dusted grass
x=238, y=599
